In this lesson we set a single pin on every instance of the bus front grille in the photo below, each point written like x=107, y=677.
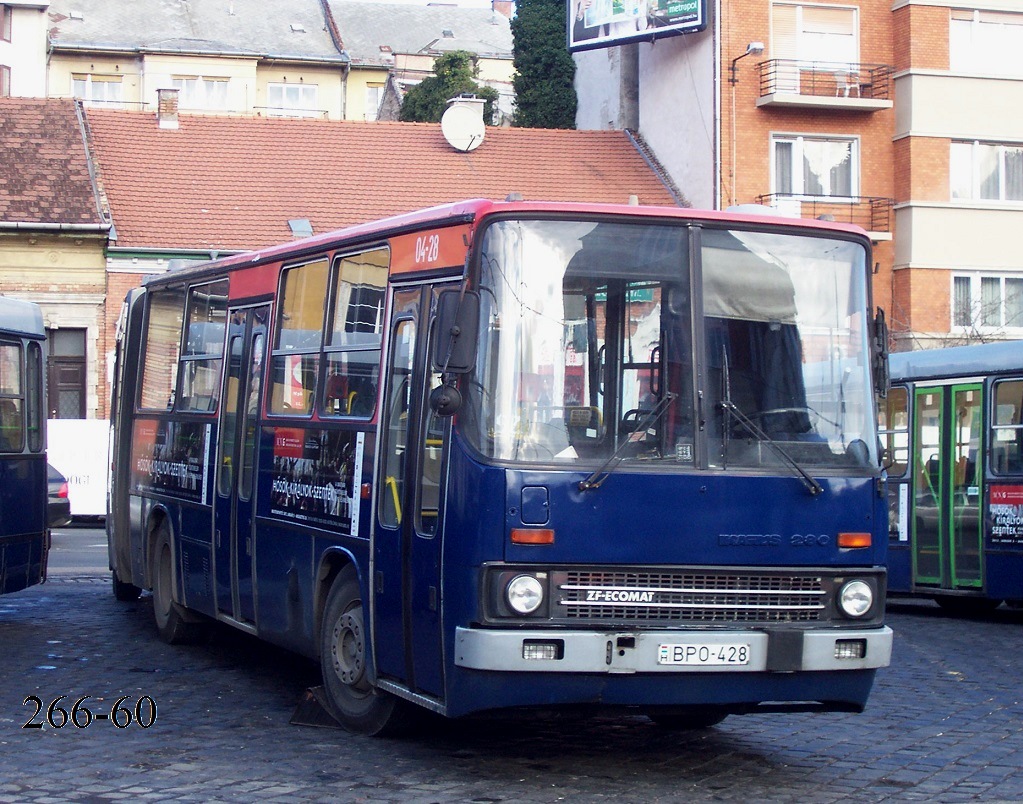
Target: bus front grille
x=687, y=596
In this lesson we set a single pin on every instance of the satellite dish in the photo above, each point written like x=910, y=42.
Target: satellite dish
x=462, y=127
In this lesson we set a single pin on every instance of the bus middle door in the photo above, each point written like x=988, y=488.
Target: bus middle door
x=236, y=459
x=948, y=465
x=407, y=543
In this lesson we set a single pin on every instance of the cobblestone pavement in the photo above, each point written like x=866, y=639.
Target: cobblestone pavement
x=945, y=724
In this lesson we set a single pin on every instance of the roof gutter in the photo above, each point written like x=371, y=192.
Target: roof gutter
x=34, y=226
x=143, y=50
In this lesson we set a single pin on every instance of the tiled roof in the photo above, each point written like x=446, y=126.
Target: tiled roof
x=231, y=183
x=44, y=173
x=364, y=27
x=293, y=29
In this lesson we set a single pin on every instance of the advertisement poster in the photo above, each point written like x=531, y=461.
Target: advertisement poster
x=1005, y=511
x=77, y=448
x=604, y=23
x=171, y=458
x=316, y=476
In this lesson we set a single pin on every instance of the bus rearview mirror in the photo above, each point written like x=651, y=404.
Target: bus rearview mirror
x=455, y=331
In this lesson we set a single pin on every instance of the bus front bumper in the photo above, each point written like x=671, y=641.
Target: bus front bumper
x=770, y=650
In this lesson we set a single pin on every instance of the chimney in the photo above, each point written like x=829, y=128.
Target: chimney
x=167, y=108
x=503, y=7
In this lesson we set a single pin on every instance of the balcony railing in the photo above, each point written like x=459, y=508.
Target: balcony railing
x=872, y=213
x=825, y=79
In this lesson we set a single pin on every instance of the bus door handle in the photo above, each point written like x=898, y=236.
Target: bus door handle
x=218, y=538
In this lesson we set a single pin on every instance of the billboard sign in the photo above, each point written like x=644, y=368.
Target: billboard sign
x=605, y=23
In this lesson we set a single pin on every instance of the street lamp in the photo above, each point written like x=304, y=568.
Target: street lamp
x=752, y=49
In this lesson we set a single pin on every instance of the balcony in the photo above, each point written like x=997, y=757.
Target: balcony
x=825, y=84
x=870, y=213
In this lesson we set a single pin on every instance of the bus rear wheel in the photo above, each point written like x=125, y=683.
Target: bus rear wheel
x=174, y=625
x=344, y=657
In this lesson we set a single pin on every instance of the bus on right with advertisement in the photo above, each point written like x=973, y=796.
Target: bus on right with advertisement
x=953, y=433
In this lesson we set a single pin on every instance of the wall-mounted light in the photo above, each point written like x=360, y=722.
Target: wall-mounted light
x=752, y=49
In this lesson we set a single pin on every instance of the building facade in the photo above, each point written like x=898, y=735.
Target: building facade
x=23, y=49
x=958, y=168
x=901, y=118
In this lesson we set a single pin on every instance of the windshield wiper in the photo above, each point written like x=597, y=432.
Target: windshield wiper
x=814, y=487
x=597, y=477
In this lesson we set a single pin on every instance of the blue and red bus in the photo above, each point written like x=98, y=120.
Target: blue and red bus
x=24, y=531
x=516, y=454
x=954, y=436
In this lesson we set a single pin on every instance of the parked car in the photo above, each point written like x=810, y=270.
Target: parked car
x=58, y=504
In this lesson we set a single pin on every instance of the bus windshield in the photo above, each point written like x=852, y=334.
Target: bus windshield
x=589, y=330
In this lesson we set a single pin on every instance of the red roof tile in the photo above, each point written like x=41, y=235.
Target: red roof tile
x=44, y=173
x=230, y=183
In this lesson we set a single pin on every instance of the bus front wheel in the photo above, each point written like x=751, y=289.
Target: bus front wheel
x=344, y=656
x=174, y=625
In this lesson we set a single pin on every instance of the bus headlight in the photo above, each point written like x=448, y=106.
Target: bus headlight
x=855, y=598
x=524, y=594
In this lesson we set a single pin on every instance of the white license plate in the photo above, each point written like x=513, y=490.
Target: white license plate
x=737, y=653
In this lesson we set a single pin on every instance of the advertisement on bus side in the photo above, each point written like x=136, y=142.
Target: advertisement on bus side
x=171, y=458
x=1005, y=511
x=315, y=476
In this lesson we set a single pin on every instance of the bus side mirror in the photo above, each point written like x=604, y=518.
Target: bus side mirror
x=455, y=331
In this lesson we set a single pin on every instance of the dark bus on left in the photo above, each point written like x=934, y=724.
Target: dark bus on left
x=24, y=537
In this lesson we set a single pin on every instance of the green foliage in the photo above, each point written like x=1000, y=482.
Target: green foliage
x=544, y=69
x=453, y=74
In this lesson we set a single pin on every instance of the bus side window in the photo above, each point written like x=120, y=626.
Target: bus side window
x=11, y=423
x=296, y=354
x=202, y=358
x=1007, y=428
x=163, y=348
x=354, y=334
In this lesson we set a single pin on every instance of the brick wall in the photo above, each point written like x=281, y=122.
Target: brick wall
x=920, y=38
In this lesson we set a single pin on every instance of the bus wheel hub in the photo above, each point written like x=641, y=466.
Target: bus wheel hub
x=349, y=649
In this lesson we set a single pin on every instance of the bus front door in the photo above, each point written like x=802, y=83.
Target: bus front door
x=236, y=458
x=948, y=488
x=409, y=504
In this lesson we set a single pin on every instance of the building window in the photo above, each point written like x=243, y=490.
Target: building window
x=5, y=81
x=5, y=23
x=986, y=172
x=97, y=90
x=292, y=100
x=199, y=92
x=815, y=166
x=66, y=373
x=374, y=94
x=814, y=33
x=987, y=303
x=985, y=42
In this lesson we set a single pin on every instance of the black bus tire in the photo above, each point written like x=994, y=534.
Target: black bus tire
x=126, y=592
x=344, y=658
x=172, y=622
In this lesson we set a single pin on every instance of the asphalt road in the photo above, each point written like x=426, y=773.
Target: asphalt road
x=79, y=549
